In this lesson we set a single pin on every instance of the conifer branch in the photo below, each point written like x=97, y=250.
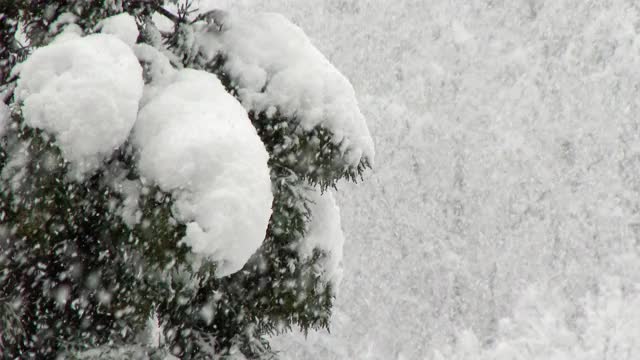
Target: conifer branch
x=161, y=10
x=166, y=13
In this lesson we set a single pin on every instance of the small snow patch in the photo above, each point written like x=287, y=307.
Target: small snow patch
x=324, y=233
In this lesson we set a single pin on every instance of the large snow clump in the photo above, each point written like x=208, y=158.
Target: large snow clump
x=85, y=92
x=197, y=142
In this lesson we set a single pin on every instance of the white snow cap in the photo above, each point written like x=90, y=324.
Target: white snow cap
x=324, y=232
x=123, y=26
x=85, y=92
x=197, y=142
x=273, y=63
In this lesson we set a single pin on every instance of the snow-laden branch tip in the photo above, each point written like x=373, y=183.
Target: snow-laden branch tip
x=324, y=233
x=275, y=68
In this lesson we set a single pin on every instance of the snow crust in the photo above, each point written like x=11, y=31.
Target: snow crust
x=276, y=68
x=197, y=142
x=85, y=92
x=123, y=26
x=324, y=232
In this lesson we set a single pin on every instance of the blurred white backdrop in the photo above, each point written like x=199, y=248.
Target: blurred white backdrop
x=502, y=216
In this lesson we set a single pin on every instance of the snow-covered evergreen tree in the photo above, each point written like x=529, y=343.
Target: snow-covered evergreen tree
x=166, y=193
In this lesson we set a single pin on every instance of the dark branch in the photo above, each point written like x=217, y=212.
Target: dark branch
x=164, y=12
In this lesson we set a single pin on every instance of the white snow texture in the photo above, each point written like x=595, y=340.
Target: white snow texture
x=547, y=324
x=85, y=92
x=123, y=26
x=197, y=142
x=276, y=68
x=324, y=233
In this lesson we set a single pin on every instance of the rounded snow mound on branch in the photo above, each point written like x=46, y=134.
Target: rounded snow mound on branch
x=197, y=142
x=275, y=67
x=324, y=233
x=123, y=26
x=85, y=92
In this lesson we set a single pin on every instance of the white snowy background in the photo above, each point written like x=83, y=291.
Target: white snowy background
x=502, y=218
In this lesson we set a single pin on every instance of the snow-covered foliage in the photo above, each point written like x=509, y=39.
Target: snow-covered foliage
x=276, y=70
x=84, y=91
x=158, y=70
x=324, y=233
x=196, y=142
x=123, y=26
x=145, y=212
x=194, y=139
